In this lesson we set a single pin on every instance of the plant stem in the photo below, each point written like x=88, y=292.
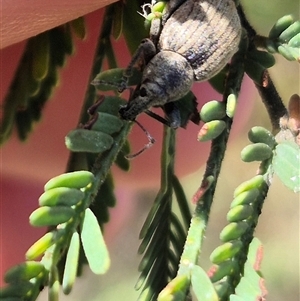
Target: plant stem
x=271, y=100
x=90, y=94
x=266, y=88
x=213, y=166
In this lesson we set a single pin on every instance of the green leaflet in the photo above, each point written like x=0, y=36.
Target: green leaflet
x=71, y=265
x=82, y=140
x=286, y=164
x=260, y=134
x=50, y=216
x=211, y=130
x=256, y=152
x=75, y=179
x=78, y=28
x=251, y=286
x=282, y=24
x=42, y=244
x=202, y=286
x=16, y=290
x=111, y=79
x=225, y=251
x=61, y=196
x=24, y=271
x=175, y=289
x=54, y=285
x=212, y=110
x=107, y=123
x=93, y=244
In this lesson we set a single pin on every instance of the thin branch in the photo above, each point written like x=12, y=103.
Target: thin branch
x=266, y=88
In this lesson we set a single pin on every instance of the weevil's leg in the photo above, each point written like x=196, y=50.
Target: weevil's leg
x=151, y=141
x=173, y=114
x=155, y=30
x=158, y=118
x=142, y=56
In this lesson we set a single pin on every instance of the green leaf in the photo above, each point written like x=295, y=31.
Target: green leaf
x=111, y=79
x=211, y=130
x=61, y=196
x=24, y=271
x=256, y=152
x=20, y=289
x=121, y=160
x=75, y=179
x=251, y=287
x=281, y=25
x=260, y=134
x=50, y=216
x=111, y=105
x=93, y=244
x=54, y=285
x=290, y=32
x=212, y=110
x=83, y=140
x=182, y=202
x=202, y=286
x=175, y=290
x=41, y=245
x=71, y=264
x=286, y=164
x=107, y=123
x=78, y=28
x=225, y=251
x=236, y=298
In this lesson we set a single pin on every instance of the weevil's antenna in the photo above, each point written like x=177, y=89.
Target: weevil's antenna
x=93, y=108
x=148, y=145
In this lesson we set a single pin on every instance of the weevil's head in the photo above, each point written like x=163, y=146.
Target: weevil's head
x=166, y=78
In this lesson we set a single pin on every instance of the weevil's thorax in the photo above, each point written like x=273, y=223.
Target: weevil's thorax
x=166, y=78
x=169, y=76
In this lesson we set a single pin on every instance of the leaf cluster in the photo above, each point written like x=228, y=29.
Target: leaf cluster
x=75, y=205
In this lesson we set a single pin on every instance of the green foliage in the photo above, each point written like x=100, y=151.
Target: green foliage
x=163, y=234
x=251, y=286
x=75, y=205
x=37, y=77
x=93, y=244
x=202, y=285
x=284, y=38
x=286, y=164
x=71, y=266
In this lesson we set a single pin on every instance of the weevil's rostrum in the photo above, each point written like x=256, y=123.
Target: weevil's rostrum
x=195, y=41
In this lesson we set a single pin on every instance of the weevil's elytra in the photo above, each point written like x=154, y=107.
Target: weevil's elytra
x=197, y=39
x=206, y=33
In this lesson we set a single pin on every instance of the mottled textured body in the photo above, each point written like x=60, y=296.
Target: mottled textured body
x=192, y=42
x=206, y=33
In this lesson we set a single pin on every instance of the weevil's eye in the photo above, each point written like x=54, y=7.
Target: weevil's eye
x=143, y=92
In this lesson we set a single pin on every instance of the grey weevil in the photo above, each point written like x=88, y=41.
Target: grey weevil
x=192, y=41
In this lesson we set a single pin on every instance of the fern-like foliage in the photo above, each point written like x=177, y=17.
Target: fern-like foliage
x=75, y=205
x=36, y=77
x=163, y=233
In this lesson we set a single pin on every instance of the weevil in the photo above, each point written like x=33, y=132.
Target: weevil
x=192, y=41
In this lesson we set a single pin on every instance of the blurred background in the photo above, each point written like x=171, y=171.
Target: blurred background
x=25, y=167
